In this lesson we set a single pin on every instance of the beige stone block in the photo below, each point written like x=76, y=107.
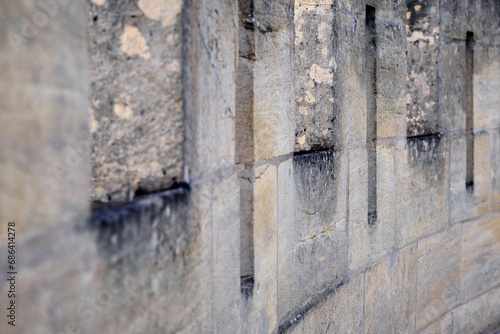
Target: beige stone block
x=312, y=238
x=486, y=85
x=339, y=312
x=391, y=79
x=422, y=187
x=265, y=243
x=439, y=274
x=226, y=256
x=273, y=119
x=367, y=241
x=314, y=86
x=390, y=293
x=468, y=202
x=479, y=315
x=481, y=263
x=349, y=78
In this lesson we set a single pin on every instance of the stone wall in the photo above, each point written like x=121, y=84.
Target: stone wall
x=253, y=166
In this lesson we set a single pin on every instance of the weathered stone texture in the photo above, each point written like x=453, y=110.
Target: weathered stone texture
x=339, y=312
x=273, y=106
x=468, y=202
x=368, y=242
x=439, y=274
x=312, y=239
x=481, y=264
x=314, y=67
x=422, y=187
x=422, y=95
x=390, y=293
x=136, y=101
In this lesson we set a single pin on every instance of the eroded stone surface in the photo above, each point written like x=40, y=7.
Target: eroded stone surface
x=136, y=105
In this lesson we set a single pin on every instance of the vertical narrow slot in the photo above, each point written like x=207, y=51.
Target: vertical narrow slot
x=371, y=110
x=244, y=147
x=469, y=105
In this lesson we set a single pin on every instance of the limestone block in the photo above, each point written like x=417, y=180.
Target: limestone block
x=468, y=202
x=312, y=239
x=273, y=118
x=314, y=66
x=391, y=75
x=479, y=315
x=265, y=243
x=368, y=242
x=136, y=97
x=495, y=168
x=390, y=293
x=486, y=86
x=453, y=87
x=422, y=175
x=349, y=77
x=340, y=312
x=226, y=256
x=439, y=274
x=481, y=265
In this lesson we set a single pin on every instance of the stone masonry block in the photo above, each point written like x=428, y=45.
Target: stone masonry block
x=439, y=274
x=312, y=252
x=422, y=175
x=265, y=243
x=349, y=77
x=340, y=312
x=468, y=202
x=314, y=66
x=391, y=75
x=481, y=264
x=368, y=242
x=136, y=102
x=273, y=81
x=390, y=293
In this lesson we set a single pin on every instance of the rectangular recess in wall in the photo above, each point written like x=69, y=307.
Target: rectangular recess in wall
x=469, y=105
x=371, y=110
x=244, y=146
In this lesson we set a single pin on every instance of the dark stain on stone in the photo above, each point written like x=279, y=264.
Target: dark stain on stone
x=315, y=175
x=427, y=152
x=153, y=228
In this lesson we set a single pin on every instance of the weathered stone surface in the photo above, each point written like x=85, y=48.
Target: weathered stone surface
x=467, y=202
x=495, y=168
x=273, y=118
x=479, y=315
x=452, y=71
x=481, y=265
x=265, y=289
x=422, y=187
x=439, y=274
x=391, y=79
x=316, y=122
x=312, y=239
x=340, y=312
x=369, y=241
x=391, y=292
x=349, y=77
x=422, y=42
x=136, y=102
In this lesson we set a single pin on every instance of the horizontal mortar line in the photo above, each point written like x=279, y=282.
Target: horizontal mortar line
x=285, y=325
x=441, y=316
x=318, y=150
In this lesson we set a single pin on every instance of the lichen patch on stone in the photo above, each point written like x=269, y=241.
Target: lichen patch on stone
x=121, y=107
x=133, y=44
x=161, y=10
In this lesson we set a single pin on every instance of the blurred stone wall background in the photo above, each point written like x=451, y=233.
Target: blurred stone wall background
x=251, y=166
